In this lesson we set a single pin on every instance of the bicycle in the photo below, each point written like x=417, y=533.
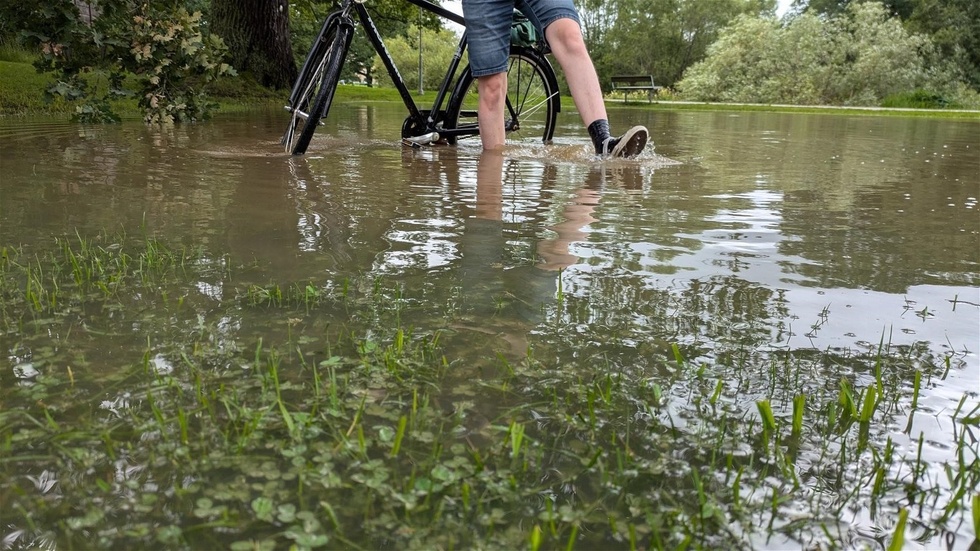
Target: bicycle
x=532, y=102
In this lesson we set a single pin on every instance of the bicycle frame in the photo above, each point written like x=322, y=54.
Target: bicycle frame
x=422, y=126
x=418, y=121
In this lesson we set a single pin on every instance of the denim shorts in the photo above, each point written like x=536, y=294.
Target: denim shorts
x=488, y=28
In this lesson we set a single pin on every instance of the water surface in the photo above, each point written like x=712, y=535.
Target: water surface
x=766, y=235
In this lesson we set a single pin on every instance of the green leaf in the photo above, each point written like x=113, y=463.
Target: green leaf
x=169, y=535
x=898, y=540
x=536, y=538
x=442, y=473
x=91, y=518
x=286, y=512
x=423, y=485
x=765, y=410
x=386, y=434
x=869, y=404
x=253, y=545
x=263, y=507
x=976, y=515
x=303, y=537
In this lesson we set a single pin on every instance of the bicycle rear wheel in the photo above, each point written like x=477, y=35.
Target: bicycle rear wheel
x=318, y=82
x=532, y=99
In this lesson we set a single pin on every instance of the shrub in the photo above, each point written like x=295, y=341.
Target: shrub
x=163, y=45
x=175, y=61
x=857, y=58
x=919, y=99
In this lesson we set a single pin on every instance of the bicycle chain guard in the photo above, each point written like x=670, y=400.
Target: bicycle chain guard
x=413, y=127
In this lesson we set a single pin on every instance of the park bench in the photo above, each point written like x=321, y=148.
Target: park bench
x=633, y=83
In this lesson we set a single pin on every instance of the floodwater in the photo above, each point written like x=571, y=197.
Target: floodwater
x=757, y=232
x=864, y=227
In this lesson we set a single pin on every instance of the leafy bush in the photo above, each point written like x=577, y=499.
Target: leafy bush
x=163, y=45
x=175, y=61
x=857, y=58
x=919, y=99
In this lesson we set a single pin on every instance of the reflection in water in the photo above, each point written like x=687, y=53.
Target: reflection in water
x=876, y=215
x=771, y=237
x=831, y=213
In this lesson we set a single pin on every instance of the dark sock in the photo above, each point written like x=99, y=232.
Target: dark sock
x=599, y=131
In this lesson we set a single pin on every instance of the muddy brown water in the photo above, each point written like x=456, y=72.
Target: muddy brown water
x=764, y=231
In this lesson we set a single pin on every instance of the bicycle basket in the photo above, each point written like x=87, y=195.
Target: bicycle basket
x=523, y=32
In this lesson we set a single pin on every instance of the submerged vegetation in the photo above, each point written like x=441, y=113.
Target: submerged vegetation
x=157, y=396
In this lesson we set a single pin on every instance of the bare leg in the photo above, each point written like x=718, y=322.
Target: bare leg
x=490, y=112
x=565, y=38
x=568, y=46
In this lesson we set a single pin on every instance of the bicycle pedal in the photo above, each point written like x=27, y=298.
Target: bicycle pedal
x=424, y=139
x=410, y=143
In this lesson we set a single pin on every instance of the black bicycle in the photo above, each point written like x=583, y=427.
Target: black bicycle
x=532, y=102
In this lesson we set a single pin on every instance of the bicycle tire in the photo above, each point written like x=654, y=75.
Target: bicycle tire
x=321, y=80
x=307, y=84
x=532, y=105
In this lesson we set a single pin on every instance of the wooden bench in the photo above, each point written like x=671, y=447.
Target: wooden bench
x=632, y=83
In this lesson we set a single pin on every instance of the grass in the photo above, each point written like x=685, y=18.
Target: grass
x=829, y=109
x=16, y=54
x=22, y=93
x=310, y=414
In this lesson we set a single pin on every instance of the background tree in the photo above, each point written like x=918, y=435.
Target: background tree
x=657, y=37
x=258, y=39
x=29, y=24
x=861, y=57
x=879, y=57
x=952, y=25
x=158, y=51
x=438, y=47
x=394, y=18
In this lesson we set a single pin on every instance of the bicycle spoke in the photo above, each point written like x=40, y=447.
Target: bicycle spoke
x=319, y=79
x=524, y=92
x=526, y=96
x=543, y=103
x=522, y=97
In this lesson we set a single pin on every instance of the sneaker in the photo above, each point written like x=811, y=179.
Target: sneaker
x=628, y=145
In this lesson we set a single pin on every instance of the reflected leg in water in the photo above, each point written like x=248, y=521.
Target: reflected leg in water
x=489, y=184
x=577, y=216
x=482, y=243
x=518, y=295
x=484, y=285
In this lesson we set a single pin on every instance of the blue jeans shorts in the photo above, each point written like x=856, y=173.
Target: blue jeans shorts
x=488, y=28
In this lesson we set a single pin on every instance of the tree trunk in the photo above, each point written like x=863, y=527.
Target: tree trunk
x=257, y=35
x=87, y=11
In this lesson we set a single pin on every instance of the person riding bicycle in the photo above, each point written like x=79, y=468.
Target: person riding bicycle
x=488, y=25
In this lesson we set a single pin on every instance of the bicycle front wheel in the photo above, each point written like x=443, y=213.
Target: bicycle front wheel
x=318, y=82
x=532, y=100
